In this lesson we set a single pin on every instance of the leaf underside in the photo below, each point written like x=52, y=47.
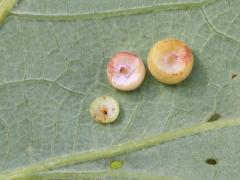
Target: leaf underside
x=53, y=57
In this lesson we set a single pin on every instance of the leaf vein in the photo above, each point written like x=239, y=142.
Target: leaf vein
x=105, y=14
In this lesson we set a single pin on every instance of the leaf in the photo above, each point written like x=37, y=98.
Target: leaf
x=53, y=56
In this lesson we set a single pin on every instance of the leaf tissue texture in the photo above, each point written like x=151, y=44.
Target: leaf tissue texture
x=53, y=56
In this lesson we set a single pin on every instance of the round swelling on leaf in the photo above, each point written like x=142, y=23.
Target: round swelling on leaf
x=116, y=164
x=104, y=109
x=125, y=71
x=170, y=61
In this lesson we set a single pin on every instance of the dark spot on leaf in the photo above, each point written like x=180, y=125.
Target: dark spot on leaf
x=214, y=117
x=211, y=161
x=234, y=75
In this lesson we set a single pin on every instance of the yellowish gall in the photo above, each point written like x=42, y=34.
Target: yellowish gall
x=104, y=109
x=170, y=61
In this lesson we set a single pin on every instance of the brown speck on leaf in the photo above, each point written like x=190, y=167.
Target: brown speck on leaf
x=214, y=117
x=234, y=75
x=211, y=161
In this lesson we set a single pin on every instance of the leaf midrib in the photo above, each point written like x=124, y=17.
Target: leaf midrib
x=116, y=150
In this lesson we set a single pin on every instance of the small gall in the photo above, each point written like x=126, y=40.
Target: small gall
x=170, y=61
x=125, y=71
x=116, y=164
x=104, y=109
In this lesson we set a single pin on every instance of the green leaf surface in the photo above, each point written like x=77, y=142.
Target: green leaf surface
x=53, y=56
